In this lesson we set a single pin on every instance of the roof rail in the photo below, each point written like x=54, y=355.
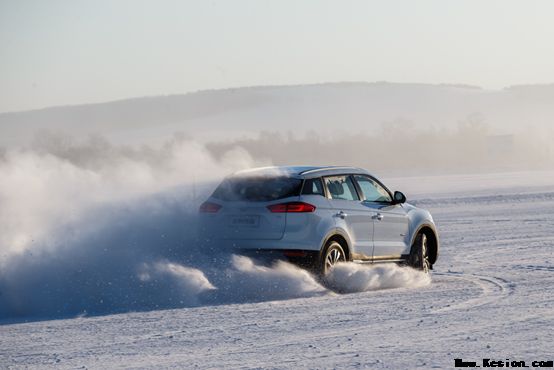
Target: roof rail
x=329, y=168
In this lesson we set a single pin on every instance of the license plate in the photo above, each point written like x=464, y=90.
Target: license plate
x=246, y=221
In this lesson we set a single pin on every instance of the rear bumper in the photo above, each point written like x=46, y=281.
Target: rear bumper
x=235, y=245
x=265, y=251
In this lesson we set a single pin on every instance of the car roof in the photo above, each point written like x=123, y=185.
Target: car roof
x=301, y=171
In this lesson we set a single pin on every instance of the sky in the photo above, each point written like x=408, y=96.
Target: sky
x=62, y=52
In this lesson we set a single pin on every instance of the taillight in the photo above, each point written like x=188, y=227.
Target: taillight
x=295, y=207
x=209, y=207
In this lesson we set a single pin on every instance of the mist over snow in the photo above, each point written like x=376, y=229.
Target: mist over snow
x=420, y=127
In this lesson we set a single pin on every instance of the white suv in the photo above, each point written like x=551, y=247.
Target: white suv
x=316, y=217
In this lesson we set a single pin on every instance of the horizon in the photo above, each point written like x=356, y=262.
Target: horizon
x=292, y=85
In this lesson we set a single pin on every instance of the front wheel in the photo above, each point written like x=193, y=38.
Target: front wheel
x=419, y=257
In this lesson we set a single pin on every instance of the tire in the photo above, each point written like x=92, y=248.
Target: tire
x=419, y=256
x=333, y=253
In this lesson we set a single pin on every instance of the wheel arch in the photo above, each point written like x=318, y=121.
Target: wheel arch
x=341, y=238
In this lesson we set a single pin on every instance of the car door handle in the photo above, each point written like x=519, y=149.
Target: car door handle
x=342, y=215
x=378, y=216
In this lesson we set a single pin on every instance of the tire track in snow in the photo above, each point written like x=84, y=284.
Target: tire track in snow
x=534, y=268
x=492, y=289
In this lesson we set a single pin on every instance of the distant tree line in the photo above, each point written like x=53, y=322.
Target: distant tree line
x=399, y=147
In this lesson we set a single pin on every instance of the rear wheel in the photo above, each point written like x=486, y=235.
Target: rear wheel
x=333, y=254
x=419, y=258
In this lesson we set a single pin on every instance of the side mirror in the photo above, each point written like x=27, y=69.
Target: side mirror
x=399, y=198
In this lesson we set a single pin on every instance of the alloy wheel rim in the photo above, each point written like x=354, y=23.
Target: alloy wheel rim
x=334, y=256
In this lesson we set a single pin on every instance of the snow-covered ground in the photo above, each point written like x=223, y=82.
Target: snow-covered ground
x=490, y=297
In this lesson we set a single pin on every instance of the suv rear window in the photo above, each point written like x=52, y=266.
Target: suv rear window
x=257, y=189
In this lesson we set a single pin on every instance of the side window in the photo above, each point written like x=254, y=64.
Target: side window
x=313, y=187
x=372, y=191
x=341, y=187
